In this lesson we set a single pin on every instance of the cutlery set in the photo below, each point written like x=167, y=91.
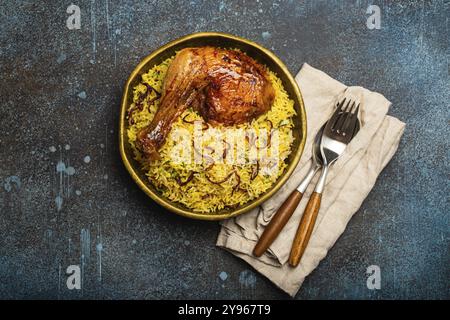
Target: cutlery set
x=329, y=144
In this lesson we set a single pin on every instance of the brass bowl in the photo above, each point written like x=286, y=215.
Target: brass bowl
x=223, y=40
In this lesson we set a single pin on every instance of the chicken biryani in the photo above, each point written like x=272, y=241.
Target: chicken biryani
x=211, y=128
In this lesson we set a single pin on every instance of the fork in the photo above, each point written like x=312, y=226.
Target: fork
x=338, y=132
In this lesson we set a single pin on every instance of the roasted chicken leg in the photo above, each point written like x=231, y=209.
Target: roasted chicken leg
x=225, y=86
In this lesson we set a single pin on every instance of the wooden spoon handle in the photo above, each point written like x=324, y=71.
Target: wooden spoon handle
x=305, y=229
x=277, y=223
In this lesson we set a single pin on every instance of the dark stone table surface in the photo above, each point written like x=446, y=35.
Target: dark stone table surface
x=60, y=94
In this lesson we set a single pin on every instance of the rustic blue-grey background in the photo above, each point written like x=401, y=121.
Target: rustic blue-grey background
x=65, y=197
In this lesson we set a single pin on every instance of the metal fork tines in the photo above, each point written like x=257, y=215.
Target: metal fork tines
x=339, y=130
x=343, y=121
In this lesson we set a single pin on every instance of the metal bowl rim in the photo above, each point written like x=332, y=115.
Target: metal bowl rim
x=256, y=202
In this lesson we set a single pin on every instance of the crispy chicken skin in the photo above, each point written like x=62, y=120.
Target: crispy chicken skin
x=225, y=86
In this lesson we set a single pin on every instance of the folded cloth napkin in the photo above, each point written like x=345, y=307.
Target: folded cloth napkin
x=349, y=181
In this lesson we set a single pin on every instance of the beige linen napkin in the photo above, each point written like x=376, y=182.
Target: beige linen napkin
x=348, y=183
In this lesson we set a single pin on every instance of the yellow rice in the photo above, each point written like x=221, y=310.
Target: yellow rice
x=200, y=194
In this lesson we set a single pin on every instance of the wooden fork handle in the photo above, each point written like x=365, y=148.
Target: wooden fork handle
x=305, y=229
x=277, y=223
